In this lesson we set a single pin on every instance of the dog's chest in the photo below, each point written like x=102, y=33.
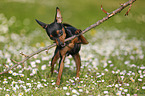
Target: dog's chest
x=70, y=31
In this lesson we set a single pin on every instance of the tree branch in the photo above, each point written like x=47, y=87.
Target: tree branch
x=128, y=10
x=84, y=31
x=104, y=10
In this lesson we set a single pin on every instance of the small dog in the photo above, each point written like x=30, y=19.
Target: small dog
x=58, y=32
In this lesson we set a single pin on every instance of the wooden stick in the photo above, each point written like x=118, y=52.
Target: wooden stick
x=84, y=31
x=26, y=58
x=128, y=10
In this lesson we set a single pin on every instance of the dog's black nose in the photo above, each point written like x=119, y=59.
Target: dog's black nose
x=62, y=44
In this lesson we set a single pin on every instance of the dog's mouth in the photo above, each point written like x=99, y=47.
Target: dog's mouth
x=60, y=44
x=63, y=45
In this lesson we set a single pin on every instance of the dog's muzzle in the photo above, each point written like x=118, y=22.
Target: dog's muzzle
x=61, y=44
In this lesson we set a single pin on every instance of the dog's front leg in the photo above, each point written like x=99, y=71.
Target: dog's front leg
x=54, y=59
x=62, y=58
x=61, y=63
x=81, y=37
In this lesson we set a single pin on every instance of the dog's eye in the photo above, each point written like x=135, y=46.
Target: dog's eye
x=59, y=33
x=51, y=37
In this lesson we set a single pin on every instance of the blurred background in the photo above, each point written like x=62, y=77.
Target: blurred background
x=117, y=50
x=21, y=15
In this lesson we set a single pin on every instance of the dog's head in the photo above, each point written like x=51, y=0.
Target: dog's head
x=55, y=30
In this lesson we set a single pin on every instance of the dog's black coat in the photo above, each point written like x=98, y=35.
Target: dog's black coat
x=58, y=32
x=70, y=31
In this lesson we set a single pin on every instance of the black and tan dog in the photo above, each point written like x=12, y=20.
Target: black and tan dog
x=58, y=32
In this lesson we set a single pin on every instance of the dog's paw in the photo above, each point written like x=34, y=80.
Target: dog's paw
x=78, y=31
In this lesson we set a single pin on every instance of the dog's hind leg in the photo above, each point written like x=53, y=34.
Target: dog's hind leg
x=78, y=63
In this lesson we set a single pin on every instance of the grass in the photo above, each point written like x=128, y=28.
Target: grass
x=112, y=63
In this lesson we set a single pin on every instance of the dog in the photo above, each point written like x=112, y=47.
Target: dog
x=58, y=32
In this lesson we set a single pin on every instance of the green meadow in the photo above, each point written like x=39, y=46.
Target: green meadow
x=113, y=63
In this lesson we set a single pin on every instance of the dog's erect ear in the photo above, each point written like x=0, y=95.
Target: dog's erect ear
x=58, y=17
x=43, y=25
